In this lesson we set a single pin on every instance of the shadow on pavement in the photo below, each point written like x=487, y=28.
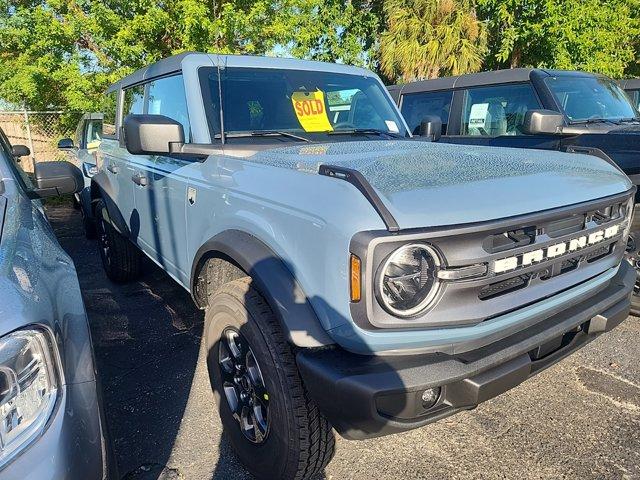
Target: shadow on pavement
x=147, y=337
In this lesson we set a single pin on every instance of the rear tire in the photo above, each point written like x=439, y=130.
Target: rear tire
x=120, y=258
x=295, y=441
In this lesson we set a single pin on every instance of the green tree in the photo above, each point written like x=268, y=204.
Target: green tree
x=335, y=31
x=64, y=53
x=430, y=38
x=591, y=35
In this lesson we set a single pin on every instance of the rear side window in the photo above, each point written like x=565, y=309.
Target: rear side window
x=166, y=97
x=495, y=111
x=415, y=106
x=109, y=110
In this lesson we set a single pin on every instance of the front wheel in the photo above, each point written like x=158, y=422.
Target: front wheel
x=274, y=427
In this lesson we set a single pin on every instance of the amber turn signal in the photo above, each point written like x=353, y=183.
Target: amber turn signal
x=355, y=279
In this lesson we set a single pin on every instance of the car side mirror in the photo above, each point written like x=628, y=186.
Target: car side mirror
x=65, y=144
x=20, y=151
x=152, y=134
x=431, y=126
x=543, y=122
x=57, y=178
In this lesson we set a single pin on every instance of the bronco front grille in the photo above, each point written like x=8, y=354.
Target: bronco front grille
x=559, y=256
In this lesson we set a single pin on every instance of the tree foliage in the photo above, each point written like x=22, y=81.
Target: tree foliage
x=64, y=53
x=334, y=30
x=591, y=35
x=430, y=38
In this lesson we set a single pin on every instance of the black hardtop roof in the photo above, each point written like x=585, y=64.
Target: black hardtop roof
x=630, y=83
x=495, y=77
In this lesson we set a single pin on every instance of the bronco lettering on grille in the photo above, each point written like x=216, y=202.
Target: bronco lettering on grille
x=556, y=250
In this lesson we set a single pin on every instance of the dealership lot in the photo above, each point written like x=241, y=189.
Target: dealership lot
x=579, y=419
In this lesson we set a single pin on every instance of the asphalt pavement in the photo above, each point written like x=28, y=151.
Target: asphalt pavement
x=579, y=419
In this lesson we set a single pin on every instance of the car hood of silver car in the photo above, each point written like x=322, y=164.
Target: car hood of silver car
x=434, y=184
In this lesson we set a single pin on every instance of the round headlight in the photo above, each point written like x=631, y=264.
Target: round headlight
x=407, y=281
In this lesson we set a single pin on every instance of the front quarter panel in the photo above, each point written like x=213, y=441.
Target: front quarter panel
x=306, y=219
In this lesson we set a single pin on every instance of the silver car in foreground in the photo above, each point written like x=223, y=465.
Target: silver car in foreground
x=50, y=417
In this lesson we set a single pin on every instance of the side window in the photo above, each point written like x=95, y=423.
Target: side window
x=93, y=134
x=495, y=111
x=167, y=97
x=635, y=95
x=133, y=100
x=415, y=106
x=109, y=110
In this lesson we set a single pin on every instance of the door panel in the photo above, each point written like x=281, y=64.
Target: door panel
x=160, y=206
x=114, y=160
x=119, y=172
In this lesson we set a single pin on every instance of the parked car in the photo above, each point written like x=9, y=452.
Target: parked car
x=88, y=136
x=632, y=87
x=50, y=417
x=351, y=278
x=532, y=108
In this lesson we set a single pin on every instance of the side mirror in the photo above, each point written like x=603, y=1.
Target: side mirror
x=20, y=151
x=57, y=178
x=431, y=126
x=152, y=134
x=65, y=144
x=543, y=121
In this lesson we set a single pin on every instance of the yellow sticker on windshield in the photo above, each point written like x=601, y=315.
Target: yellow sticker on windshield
x=311, y=112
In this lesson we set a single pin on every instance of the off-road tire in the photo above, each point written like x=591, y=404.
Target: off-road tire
x=120, y=258
x=300, y=441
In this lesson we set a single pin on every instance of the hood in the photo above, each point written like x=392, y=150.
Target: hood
x=434, y=184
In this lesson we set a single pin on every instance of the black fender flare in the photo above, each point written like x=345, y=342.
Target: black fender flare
x=104, y=186
x=272, y=278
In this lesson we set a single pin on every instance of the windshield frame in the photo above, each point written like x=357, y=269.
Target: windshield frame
x=607, y=84
x=218, y=131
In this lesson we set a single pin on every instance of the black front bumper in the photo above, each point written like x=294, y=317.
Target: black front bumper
x=369, y=396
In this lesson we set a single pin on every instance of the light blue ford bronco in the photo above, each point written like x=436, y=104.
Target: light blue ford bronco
x=353, y=278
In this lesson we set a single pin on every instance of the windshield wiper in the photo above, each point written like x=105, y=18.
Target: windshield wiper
x=628, y=120
x=263, y=133
x=266, y=133
x=591, y=120
x=365, y=131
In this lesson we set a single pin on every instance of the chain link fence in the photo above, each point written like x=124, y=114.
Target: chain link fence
x=40, y=131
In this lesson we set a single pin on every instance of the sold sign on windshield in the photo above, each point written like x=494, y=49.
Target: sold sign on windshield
x=311, y=112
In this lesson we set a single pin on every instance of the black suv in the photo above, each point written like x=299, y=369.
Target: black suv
x=532, y=108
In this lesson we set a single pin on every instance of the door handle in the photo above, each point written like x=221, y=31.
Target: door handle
x=140, y=180
x=113, y=168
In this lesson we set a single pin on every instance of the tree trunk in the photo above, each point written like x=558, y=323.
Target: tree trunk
x=516, y=57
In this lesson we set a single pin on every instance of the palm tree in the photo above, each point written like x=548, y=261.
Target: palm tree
x=427, y=38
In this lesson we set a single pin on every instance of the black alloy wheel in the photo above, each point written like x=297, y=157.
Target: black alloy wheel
x=244, y=386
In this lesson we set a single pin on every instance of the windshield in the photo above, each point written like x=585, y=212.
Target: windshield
x=304, y=103
x=591, y=98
